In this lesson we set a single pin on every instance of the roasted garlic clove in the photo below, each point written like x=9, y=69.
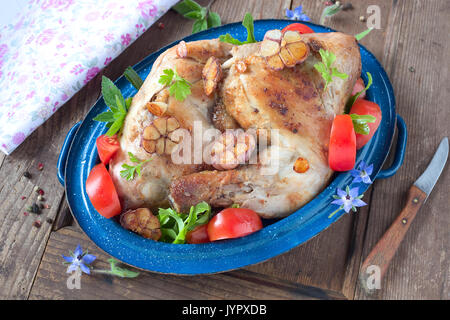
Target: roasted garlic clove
x=211, y=74
x=231, y=149
x=159, y=137
x=182, y=50
x=301, y=165
x=143, y=222
x=157, y=108
x=283, y=49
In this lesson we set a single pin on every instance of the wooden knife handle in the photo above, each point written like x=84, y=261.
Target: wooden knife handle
x=383, y=252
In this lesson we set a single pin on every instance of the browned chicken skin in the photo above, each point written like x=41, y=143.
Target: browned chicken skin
x=251, y=95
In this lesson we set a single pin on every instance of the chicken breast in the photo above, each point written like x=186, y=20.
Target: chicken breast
x=288, y=106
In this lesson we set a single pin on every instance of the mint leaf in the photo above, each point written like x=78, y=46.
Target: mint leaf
x=199, y=25
x=248, y=24
x=213, y=20
x=109, y=91
x=107, y=116
x=186, y=6
x=133, y=77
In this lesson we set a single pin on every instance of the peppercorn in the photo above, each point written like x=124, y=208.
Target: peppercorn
x=27, y=175
x=40, y=166
x=35, y=209
x=49, y=220
x=37, y=224
x=40, y=198
x=347, y=6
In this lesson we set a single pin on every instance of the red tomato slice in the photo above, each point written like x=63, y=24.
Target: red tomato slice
x=342, y=149
x=359, y=86
x=233, y=223
x=198, y=235
x=102, y=193
x=300, y=27
x=107, y=147
x=363, y=107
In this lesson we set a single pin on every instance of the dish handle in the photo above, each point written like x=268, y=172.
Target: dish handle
x=399, y=151
x=61, y=165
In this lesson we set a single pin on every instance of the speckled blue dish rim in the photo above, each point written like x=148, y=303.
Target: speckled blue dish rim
x=79, y=155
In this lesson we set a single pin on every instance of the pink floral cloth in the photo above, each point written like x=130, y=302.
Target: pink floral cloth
x=57, y=46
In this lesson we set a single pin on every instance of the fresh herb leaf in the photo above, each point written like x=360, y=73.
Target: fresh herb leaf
x=199, y=25
x=360, y=123
x=355, y=97
x=361, y=35
x=175, y=226
x=133, y=78
x=329, y=11
x=186, y=6
x=204, y=18
x=178, y=87
x=325, y=68
x=213, y=20
x=116, y=103
x=235, y=205
x=128, y=171
x=121, y=272
x=248, y=24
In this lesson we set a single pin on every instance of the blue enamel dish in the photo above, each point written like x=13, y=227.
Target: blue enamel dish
x=79, y=155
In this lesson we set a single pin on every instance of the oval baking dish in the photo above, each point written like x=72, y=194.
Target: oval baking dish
x=79, y=155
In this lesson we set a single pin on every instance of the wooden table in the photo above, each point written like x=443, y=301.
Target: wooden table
x=414, y=47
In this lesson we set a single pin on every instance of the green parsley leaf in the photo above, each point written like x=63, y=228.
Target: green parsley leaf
x=178, y=87
x=355, y=97
x=325, y=68
x=175, y=226
x=360, y=123
x=248, y=24
x=128, y=171
x=133, y=78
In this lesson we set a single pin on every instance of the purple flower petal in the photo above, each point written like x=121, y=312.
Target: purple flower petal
x=369, y=169
x=339, y=202
x=358, y=203
x=289, y=14
x=298, y=11
x=366, y=179
x=354, y=173
x=357, y=179
x=68, y=259
x=347, y=206
x=354, y=192
x=341, y=193
x=85, y=269
x=78, y=251
x=304, y=17
x=72, y=268
x=88, y=258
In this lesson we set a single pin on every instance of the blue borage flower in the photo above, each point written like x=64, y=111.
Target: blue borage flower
x=348, y=199
x=362, y=174
x=297, y=14
x=79, y=260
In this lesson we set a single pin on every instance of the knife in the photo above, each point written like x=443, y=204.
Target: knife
x=376, y=264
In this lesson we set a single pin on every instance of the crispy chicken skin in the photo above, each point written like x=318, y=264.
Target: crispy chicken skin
x=291, y=101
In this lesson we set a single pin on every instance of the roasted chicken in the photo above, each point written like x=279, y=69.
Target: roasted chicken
x=239, y=87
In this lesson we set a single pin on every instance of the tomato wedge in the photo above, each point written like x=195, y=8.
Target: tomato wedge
x=342, y=149
x=233, y=223
x=363, y=107
x=107, y=147
x=198, y=235
x=102, y=193
x=300, y=27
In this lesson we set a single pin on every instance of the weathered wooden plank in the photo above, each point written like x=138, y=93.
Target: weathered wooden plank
x=51, y=280
x=331, y=260
x=420, y=268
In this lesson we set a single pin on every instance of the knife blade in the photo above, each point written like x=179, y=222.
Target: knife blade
x=376, y=264
x=431, y=174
